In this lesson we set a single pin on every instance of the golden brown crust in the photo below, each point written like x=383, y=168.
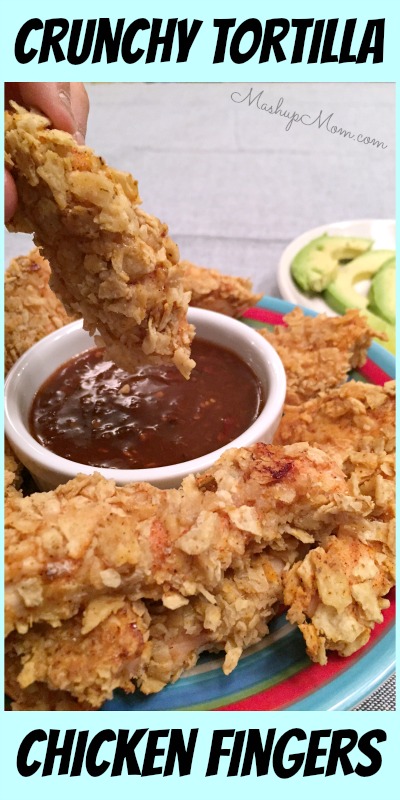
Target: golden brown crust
x=66, y=547
x=111, y=262
x=213, y=559
x=355, y=424
x=31, y=309
x=12, y=471
x=88, y=656
x=212, y=290
x=318, y=352
x=111, y=643
x=232, y=619
x=336, y=595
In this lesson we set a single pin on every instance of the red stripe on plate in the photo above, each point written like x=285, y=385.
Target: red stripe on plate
x=264, y=315
x=373, y=373
x=309, y=679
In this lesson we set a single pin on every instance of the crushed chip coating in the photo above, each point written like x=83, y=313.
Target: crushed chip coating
x=60, y=546
x=355, y=424
x=89, y=665
x=111, y=262
x=318, y=352
x=31, y=309
x=211, y=563
x=217, y=292
x=12, y=471
x=118, y=643
x=336, y=595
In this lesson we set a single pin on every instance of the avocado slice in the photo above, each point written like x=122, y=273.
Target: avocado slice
x=317, y=264
x=379, y=324
x=341, y=294
x=382, y=294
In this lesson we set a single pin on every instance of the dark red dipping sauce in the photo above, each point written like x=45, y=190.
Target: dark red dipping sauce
x=92, y=412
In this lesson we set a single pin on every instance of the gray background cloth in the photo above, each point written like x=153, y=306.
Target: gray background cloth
x=234, y=186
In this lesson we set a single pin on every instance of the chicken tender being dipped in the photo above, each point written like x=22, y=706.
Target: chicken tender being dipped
x=111, y=263
x=32, y=310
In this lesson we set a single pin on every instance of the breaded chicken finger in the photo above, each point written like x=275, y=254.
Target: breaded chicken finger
x=355, y=424
x=88, y=656
x=114, y=643
x=67, y=546
x=218, y=292
x=31, y=309
x=111, y=263
x=318, y=352
x=336, y=595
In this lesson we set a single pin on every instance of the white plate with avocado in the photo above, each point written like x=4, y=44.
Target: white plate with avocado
x=343, y=265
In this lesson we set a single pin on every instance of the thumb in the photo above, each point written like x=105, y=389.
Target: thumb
x=53, y=100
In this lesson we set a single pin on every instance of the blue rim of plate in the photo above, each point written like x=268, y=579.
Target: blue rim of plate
x=281, y=655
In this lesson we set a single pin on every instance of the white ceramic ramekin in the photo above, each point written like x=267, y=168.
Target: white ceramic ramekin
x=40, y=361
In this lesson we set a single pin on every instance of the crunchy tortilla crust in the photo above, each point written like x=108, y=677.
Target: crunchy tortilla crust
x=110, y=261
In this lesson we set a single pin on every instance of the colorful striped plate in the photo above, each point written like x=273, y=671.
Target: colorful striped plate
x=276, y=673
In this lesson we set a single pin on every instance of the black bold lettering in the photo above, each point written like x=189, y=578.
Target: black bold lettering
x=79, y=754
x=152, y=751
x=297, y=758
x=252, y=26
x=107, y=39
x=345, y=55
x=223, y=26
x=125, y=752
x=94, y=769
x=316, y=41
x=375, y=758
x=327, y=55
x=272, y=39
x=217, y=750
x=127, y=41
x=374, y=27
x=301, y=26
x=63, y=750
x=310, y=767
x=166, y=41
x=339, y=751
x=255, y=750
x=25, y=769
x=236, y=753
x=177, y=750
x=185, y=38
x=72, y=54
x=51, y=39
x=23, y=56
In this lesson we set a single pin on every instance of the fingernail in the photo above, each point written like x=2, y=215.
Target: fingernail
x=79, y=137
x=65, y=98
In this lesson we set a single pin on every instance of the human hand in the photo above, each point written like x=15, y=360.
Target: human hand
x=66, y=105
